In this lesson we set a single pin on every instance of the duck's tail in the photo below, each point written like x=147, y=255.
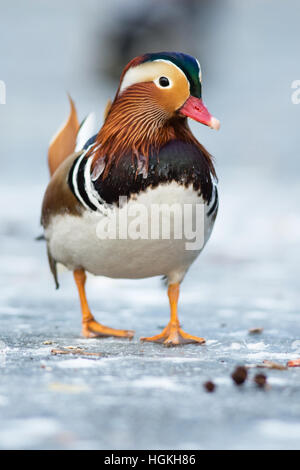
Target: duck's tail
x=64, y=141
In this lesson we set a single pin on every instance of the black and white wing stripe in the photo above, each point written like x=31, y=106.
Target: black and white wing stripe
x=214, y=203
x=81, y=184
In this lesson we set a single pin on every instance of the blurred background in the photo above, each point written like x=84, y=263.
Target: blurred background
x=248, y=274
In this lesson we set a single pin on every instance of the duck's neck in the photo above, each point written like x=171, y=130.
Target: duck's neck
x=138, y=126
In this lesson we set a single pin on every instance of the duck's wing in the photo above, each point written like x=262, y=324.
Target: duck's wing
x=66, y=193
x=59, y=199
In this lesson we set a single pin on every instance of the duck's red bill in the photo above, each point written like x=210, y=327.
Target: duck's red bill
x=195, y=109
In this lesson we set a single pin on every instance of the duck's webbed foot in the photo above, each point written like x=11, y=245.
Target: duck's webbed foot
x=92, y=329
x=173, y=335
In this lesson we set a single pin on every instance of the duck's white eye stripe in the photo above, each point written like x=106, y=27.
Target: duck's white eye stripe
x=133, y=75
x=200, y=73
x=146, y=72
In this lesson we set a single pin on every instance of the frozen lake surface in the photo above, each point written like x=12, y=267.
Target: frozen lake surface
x=143, y=395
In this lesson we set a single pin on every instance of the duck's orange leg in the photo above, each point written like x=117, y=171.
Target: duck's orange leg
x=173, y=335
x=90, y=327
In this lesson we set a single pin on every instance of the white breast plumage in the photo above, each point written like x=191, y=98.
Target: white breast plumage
x=78, y=242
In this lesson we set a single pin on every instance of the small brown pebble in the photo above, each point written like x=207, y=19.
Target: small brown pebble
x=239, y=375
x=255, y=331
x=209, y=386
x=260, y=380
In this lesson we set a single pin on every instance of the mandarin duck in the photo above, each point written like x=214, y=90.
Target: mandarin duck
x=144, y=155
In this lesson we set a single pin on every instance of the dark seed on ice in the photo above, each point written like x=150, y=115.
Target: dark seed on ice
x=255, y=331
x=239, y=375
x=209, y=386
x=260, y=380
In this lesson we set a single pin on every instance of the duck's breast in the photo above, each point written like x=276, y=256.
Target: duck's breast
x=159, y=231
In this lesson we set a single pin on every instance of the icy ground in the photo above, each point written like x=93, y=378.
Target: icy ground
x=143, y=395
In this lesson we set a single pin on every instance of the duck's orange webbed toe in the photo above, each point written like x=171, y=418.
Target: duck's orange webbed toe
x=92, y=329
x=172, y=334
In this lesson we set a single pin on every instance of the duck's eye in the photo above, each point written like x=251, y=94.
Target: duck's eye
x=164, y=81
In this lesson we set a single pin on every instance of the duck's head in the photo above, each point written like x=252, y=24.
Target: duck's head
x=157, y=92
x=173, y=80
